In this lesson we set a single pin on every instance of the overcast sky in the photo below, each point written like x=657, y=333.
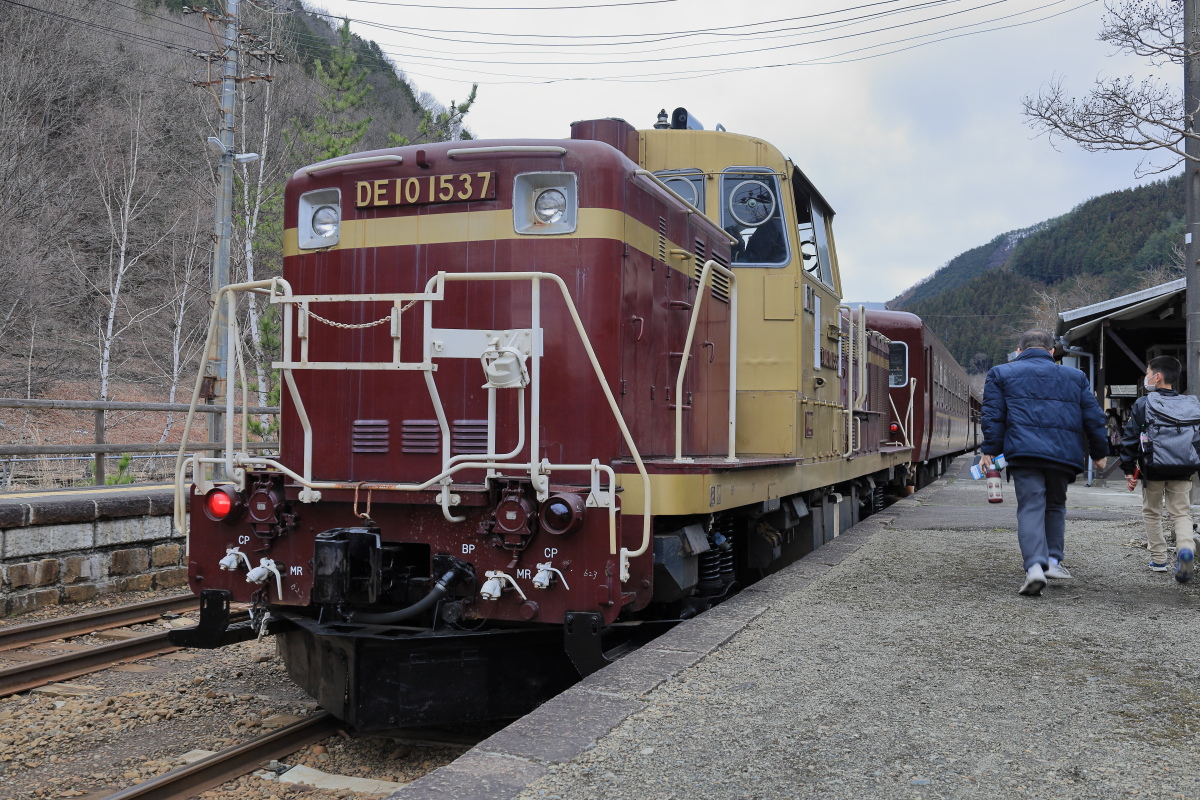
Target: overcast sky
x=923, y=153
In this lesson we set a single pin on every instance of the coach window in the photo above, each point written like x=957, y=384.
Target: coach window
x=897, y=364
x=687, y=183
x=752, y=214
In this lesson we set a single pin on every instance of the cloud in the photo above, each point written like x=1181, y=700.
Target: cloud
x=923, y=154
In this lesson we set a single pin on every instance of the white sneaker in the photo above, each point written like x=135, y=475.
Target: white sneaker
x=1057, y=570
x=1035, y=581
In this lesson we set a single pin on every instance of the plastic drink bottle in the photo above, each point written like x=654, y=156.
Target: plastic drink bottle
x=977, y=471
x=995, y=495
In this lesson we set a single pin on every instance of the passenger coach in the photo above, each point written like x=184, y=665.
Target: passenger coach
x=932, y=408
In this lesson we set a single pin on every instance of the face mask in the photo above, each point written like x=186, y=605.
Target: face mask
x=1148, y=384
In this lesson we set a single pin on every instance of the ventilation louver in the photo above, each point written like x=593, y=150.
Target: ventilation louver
x=369, y=436
x=468, y=436
x=420, y=436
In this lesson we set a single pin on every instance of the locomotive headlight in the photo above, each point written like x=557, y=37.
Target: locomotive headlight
x=550, y=206
x=319, y=221
x=545, y=203
x=325, y=221
x=562, y=513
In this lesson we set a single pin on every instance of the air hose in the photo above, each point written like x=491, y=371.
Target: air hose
x=426, y=603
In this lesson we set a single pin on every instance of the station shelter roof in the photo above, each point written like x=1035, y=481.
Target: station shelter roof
x=1123, y=333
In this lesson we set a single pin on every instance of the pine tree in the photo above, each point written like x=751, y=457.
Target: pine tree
x=341, y=127
x=442, y=126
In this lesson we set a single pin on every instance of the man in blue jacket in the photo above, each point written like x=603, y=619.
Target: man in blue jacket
x=1046, y=421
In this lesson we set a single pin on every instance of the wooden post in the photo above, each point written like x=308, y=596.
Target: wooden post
x=99, y=468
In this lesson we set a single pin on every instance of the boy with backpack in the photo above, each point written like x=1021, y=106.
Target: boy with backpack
x=1160, y=441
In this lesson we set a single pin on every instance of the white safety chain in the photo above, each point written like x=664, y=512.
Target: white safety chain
x=350, y=327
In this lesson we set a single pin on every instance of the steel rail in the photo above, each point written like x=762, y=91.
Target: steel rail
x=79, y=624
x=233, y=762
x=29, y=675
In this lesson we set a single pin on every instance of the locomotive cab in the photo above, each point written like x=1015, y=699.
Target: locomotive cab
x=803, y=356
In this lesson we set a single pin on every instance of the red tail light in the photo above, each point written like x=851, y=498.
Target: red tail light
x=222, y=503
x=894, y=427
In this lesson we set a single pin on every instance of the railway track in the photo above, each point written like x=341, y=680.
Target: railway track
x=233, y=762
x=24, y=676
x=92, y=621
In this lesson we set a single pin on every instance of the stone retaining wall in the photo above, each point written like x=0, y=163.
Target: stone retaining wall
x=67, y=551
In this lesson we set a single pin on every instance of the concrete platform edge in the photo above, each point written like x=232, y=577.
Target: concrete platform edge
x=502, y=766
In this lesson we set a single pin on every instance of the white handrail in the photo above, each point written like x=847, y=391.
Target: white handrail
x=626, y=554
x=906, y=425
x=322, y=166
x=272, y=284
x=709, y=266
x=281, y=292
x=864, y=354
x=645, y=173
x=529, y=149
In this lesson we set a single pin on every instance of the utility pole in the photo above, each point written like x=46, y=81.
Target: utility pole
x=1191, y=183
x=228, y=55
x=218, y=358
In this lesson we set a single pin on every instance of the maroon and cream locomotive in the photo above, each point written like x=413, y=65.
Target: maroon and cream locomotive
x=539, y=397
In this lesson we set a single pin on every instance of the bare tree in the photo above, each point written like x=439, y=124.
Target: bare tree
x=1171, y=270
x=106, y=186
x=1125, y=113
x=261, y=187
x=126, y=187
x=189, y=284
x=1051, y=301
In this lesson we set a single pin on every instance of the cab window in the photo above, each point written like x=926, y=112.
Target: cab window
x=752, y=214
x=687, y=183
x=812, y=225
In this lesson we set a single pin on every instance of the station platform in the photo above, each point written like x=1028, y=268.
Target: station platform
x=37, y=496
x=77, y=504
x=896, y=662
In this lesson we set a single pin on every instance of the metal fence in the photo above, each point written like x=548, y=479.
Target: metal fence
x=154, y=457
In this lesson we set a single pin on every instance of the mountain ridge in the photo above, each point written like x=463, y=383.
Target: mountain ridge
x=1106, y=246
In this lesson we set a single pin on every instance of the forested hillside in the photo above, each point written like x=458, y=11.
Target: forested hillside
x=106, y=185
x=981, y=300
x=964, y=267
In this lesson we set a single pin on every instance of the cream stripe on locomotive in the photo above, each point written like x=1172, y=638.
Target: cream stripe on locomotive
x=704, y=492
x=483, y=226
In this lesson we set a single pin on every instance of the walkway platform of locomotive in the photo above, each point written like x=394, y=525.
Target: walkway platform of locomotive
x=896, y=662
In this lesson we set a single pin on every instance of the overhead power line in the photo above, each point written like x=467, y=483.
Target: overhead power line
x=816, y=61
x=404, y=55
x=103, y=28
x=723, y=54
x=511, y=8
x=600, y=40
x=436, y=68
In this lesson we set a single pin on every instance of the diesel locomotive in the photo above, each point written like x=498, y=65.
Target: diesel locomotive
x=540, y=398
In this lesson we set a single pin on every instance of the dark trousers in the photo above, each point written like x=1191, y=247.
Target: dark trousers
x=1041, y=513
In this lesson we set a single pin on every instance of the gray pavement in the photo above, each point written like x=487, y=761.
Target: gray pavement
x=896, y=662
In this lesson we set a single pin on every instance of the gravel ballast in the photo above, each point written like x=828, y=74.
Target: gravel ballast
x=111, y=729
x=897, y=662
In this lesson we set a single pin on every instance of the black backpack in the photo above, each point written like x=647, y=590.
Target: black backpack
x=1172, y=434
